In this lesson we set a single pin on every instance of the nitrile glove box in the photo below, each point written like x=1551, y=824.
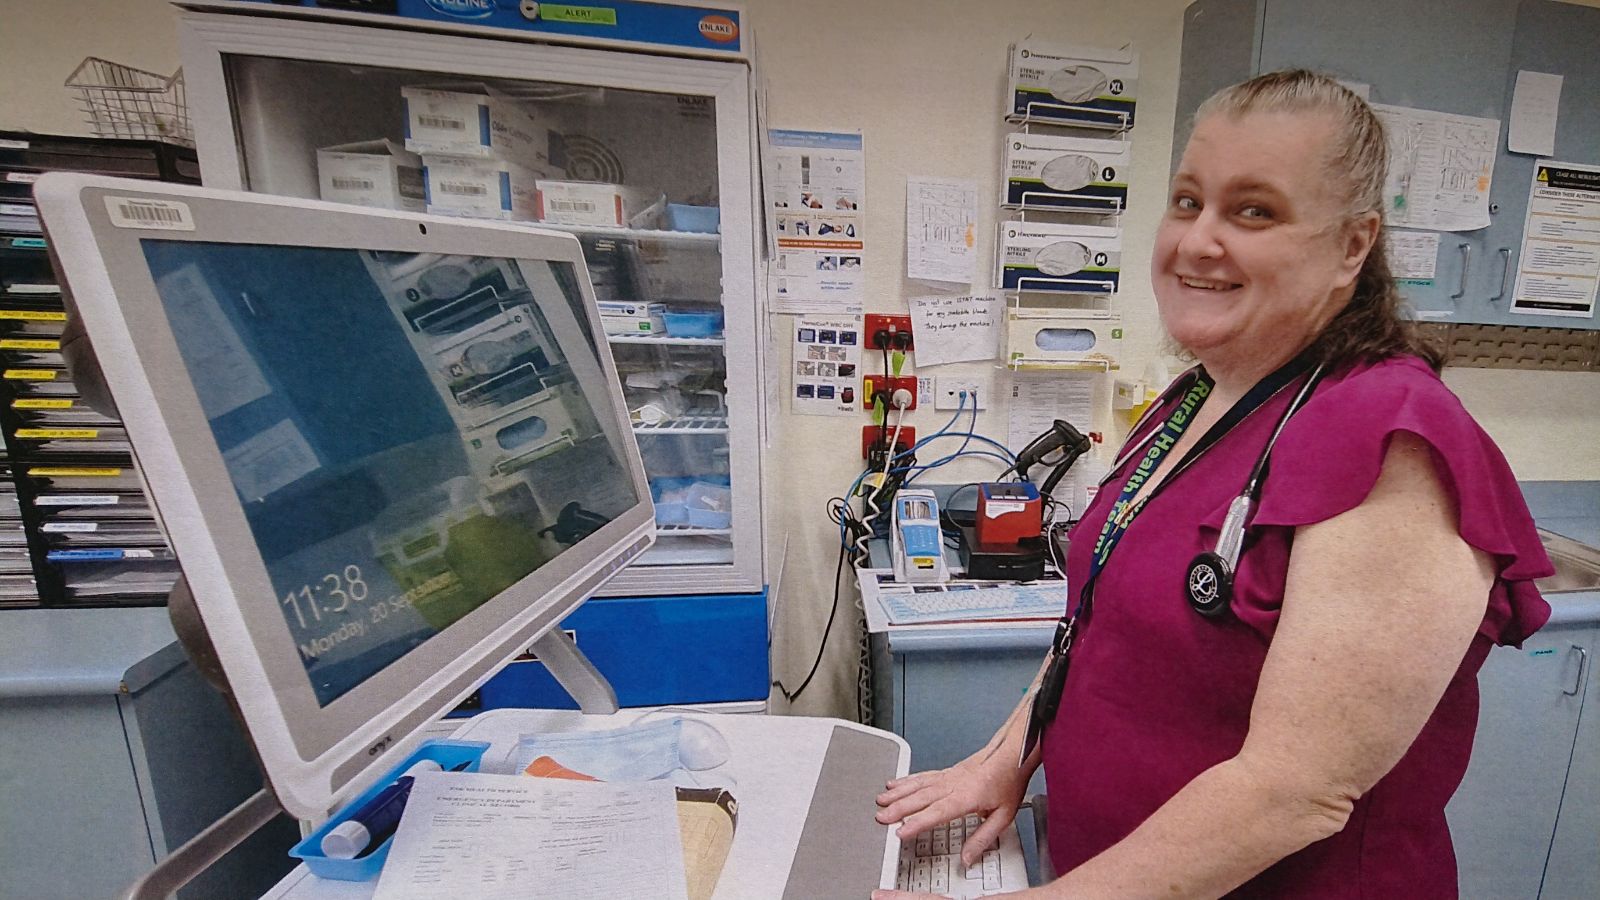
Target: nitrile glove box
x=1091, y=86
x=655, y=651
x=1048, y=171
x=1045, y=256
x=476, y=120
x=377, y=173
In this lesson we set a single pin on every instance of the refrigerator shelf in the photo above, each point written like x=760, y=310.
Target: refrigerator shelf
x=685, y=425
x=636, y=234
x=662, y=339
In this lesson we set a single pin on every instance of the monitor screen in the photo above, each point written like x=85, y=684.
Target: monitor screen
x=404, y=431
x=390, y=450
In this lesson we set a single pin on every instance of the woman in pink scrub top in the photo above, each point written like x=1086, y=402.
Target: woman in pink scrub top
x=1304, y=741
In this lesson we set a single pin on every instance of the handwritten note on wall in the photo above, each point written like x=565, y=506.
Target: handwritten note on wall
x=955, y=329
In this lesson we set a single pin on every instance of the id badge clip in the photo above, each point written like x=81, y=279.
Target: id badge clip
x=1048, y=697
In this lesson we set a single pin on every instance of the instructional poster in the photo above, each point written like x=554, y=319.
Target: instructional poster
x=816, y=196
x=1559, y=269
x=827, y=365
x=1439, y=168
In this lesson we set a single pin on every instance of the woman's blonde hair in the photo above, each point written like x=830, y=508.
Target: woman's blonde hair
x=1356, y=164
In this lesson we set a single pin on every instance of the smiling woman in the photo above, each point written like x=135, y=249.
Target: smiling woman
x=1301, y=735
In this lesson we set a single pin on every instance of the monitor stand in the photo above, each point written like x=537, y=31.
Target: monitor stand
x=555, y=648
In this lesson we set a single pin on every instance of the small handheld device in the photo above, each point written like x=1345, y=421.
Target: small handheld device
x=917, y=544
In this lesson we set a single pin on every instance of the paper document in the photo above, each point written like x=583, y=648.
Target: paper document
x=1037, y=400
x=1534, y=103
x=1413, y=256
x=816, y=214
x=1558, y=271
x=955, y=329
x=827, y=364
x=508, y=837
x=1439, y=168
x=941, y=239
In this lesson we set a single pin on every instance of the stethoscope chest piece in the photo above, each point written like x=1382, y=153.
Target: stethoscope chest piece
x=1209, y=583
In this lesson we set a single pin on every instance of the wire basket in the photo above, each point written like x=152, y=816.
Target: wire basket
x=123, y=102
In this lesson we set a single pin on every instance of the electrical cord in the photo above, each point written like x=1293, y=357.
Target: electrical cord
x=822, y=645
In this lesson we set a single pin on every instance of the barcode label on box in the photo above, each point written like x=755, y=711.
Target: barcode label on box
x=459, y=187
x=68, y=527
x=143, y=212
x=352, y=184
x=583, y=206
x=441, y=122
x=22, y=177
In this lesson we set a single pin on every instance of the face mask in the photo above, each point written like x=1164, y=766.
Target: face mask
x=670, y=748
x=1070, y=172
x=1076, y=84
x=1061, y=258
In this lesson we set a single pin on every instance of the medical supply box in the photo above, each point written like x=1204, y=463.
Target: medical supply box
x=633, y=318
x=377, y=173
x=1072, y=259
x=476, y=120
x=480, y=188
x=598, y=203
x=1068, y=173
x=1083, y=86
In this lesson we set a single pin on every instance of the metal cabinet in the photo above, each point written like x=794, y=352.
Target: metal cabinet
x=1479, y=45
x=1558, y=38
x=1505, y=816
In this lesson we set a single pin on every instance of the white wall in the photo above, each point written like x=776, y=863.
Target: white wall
x=923, y=80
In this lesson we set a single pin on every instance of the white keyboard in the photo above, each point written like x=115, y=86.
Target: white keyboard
x=932, y=863
x=973, y=601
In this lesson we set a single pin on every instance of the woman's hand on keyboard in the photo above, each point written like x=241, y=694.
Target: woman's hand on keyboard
x=987, y=783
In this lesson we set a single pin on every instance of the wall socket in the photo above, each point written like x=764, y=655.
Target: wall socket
x=947, y=392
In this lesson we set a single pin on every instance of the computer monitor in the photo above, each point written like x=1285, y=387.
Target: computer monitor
x=390, y=450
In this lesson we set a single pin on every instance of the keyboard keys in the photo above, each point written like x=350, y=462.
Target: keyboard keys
x=991, y=870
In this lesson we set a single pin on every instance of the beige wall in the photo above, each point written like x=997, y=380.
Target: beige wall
x=923, y=80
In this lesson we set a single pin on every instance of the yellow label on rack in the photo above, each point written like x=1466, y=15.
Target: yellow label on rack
x=29, y=375
x=48, y=433
x=66, y=471
x=29, y=344
x=33, y=315
x=41, y=403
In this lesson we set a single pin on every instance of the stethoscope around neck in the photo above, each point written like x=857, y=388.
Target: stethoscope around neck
x=1208, y=582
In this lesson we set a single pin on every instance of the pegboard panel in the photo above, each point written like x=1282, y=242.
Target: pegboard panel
x=1521, y=347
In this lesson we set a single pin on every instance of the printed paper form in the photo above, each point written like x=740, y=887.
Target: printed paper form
x=1534, y=104
x=941, y=216
x=816, y=214
x=1413, y=255
x=955, y=329
x=1558, y=271
x=508, y=837
x=1439, y=168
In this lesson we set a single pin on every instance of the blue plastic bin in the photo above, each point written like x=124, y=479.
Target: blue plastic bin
x=692, y=323
x=448, y=754
x=704, y=219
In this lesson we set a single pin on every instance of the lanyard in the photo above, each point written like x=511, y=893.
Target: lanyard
x=1160, y=441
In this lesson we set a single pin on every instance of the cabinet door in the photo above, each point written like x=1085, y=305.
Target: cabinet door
x=1560, y=39
x=1381, y=43
x=1503, y=816
x=1574, y=866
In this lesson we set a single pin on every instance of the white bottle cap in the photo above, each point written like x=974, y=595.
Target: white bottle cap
x=346, y=840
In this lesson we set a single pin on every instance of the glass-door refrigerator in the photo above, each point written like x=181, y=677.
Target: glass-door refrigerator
x=632, y=126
